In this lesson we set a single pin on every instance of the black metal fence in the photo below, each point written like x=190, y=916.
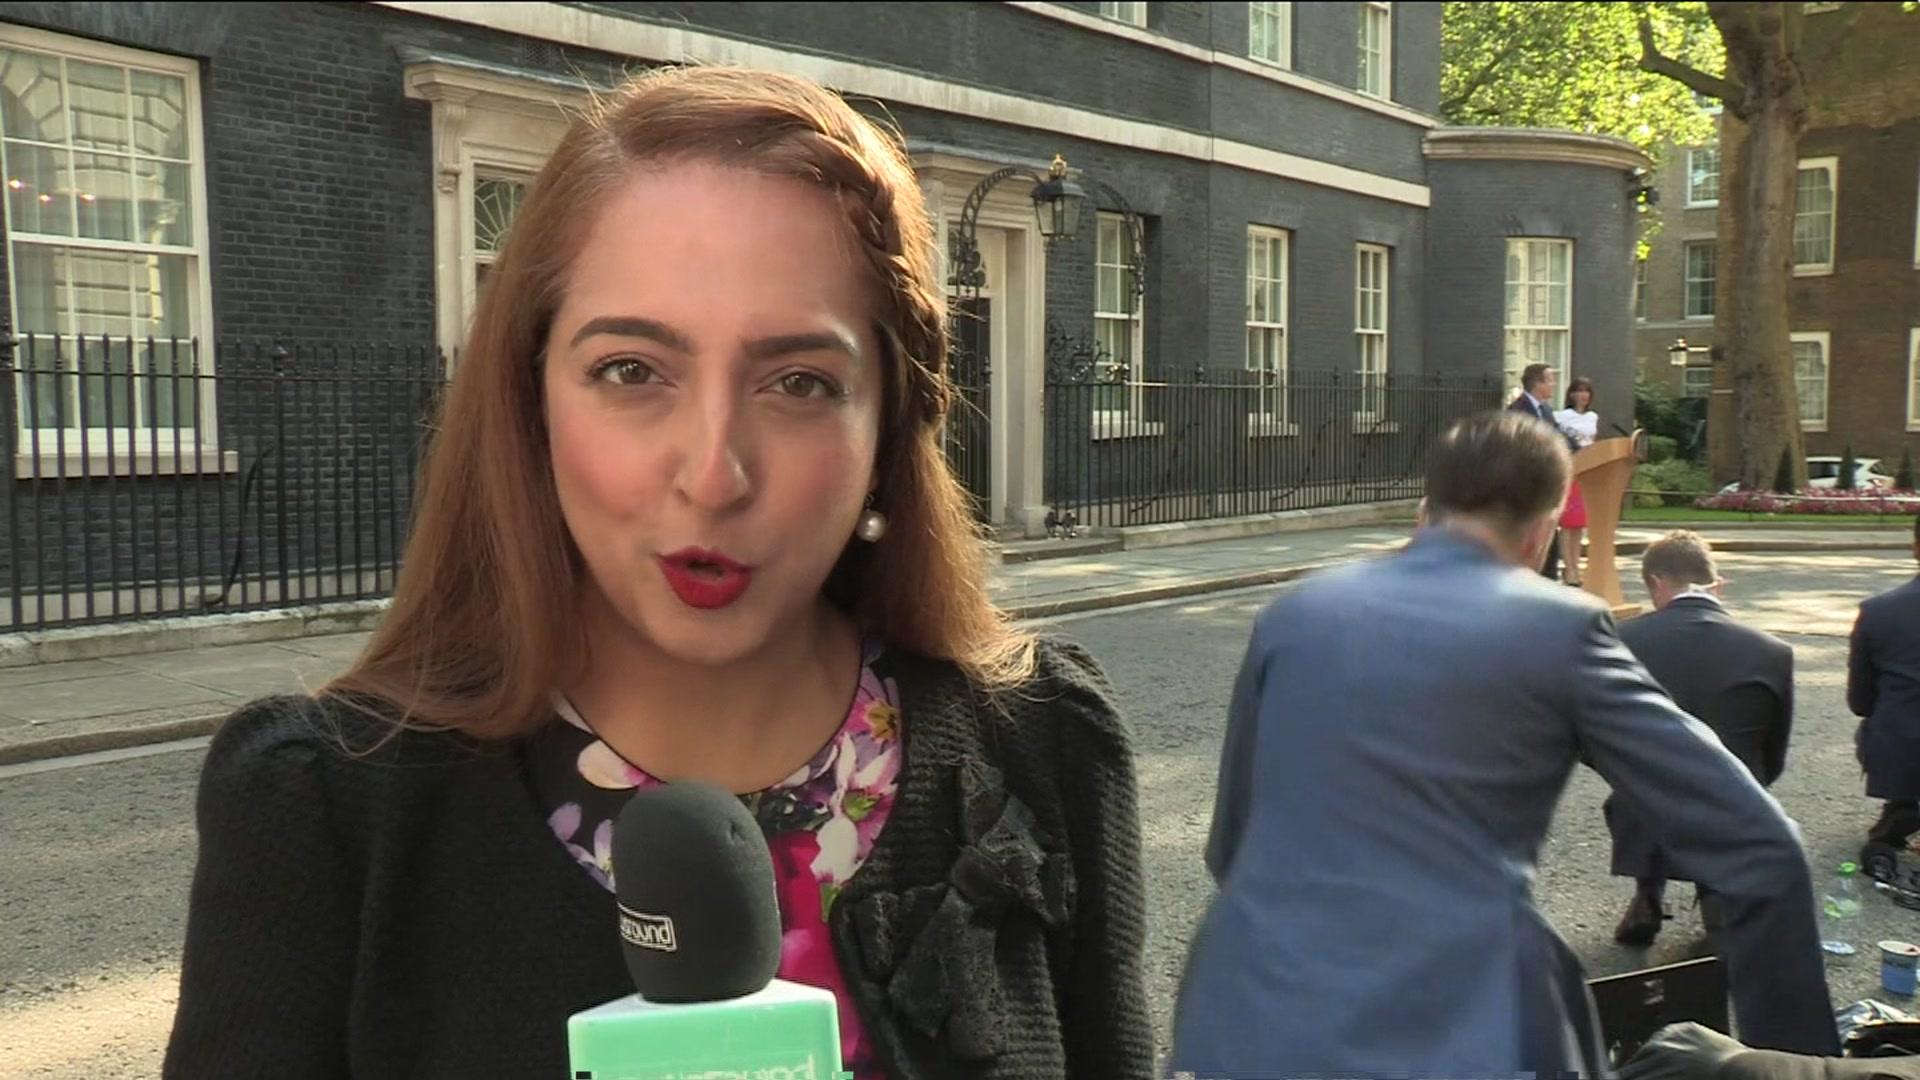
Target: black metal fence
x=166, y=477
x=1226, y=442
x=156, y=477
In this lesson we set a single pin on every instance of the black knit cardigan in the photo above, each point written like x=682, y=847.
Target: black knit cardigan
x=407, y=913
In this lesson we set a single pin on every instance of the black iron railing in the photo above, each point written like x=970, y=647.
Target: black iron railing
x=155, y=477
x=1227, y=442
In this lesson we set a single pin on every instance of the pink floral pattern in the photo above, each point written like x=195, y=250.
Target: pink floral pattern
x=821, y=824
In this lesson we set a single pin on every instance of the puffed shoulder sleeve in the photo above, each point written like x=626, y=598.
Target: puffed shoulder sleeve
x=1108, y=1033
x=269, y=957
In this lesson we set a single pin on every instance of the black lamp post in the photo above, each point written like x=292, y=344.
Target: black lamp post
x=1057, y=205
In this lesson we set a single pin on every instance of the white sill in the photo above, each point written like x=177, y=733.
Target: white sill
x=1703, y=205
x=1697, y=318
x=1266, y=427
x=1814, y=270
x=1124, y=426
x=50, y=465
x=1817, y=428
x=1264, y=62
x=1365, y=424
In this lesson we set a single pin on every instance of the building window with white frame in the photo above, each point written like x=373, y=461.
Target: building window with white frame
x=1696, y=381
x=1370, y=277
x=105, y=188
x=1702, y=260
x=1640, y=288
x=1539, y=314
x=1270, y=33
x=1703, y=176
x=1119, y=333
x=1376, y=49
x=1267, y=321
x=496, y=201
x=1811, y=359
x=1815, y=203
x=1133, y=14
x=1913, y=379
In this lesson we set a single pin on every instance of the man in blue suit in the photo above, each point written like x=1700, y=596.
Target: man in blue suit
x=1399, y=735
x=1883, y=688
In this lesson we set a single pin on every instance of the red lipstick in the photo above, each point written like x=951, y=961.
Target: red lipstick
x=702, y=579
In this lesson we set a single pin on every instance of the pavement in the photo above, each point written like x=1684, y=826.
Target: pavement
x=54, y=709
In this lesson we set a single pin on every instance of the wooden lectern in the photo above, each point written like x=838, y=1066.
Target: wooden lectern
x=1605, y=471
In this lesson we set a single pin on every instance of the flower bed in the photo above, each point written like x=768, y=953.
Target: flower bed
x=1817, y=501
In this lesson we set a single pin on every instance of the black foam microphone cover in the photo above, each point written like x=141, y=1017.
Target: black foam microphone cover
x=699, y=910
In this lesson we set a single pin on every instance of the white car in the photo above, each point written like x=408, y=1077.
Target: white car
x=1823, y=471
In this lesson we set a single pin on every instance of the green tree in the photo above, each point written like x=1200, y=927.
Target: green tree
x=1574, y=66
x=1587, y=66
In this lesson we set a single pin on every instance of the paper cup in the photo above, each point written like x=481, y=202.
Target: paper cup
x=1898, y=962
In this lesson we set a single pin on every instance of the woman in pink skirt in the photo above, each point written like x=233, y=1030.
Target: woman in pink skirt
x=1581, y=425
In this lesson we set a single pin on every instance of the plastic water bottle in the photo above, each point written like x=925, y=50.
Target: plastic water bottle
x=1841, y=908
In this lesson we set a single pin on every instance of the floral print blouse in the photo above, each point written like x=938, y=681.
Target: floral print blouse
x=820, y=823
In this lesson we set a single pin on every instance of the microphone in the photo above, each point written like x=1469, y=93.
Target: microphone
x=699, y=921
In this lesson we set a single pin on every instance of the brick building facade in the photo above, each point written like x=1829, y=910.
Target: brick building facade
x=1855, y=295
x=337, y=175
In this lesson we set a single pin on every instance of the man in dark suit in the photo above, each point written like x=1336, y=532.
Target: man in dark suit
x=1883, y=688
x=1536, y=399
x=1733, y=678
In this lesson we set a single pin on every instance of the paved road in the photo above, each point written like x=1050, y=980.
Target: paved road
x=94, y=860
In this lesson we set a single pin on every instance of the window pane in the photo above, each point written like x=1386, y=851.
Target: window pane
x=162, y=295
x=40, y=295
x=103, y=196
x=102, y=302
x=99, y=105
x=39, y=190
x=164, y=198
x=159, y=115
x=495, y=202
x=1815, y=191
x=32, y=103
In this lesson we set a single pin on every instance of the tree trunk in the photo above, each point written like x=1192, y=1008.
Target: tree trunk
x=1759, y=155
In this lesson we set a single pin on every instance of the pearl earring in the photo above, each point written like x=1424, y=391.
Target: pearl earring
x=873, y=526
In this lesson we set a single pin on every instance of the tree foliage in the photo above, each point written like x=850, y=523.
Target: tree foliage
x=1576, y=66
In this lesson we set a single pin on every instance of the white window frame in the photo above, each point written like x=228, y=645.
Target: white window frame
x=1115, y=421
x=1269, y=415
x=1640, y=290
x=1280, y=17
x=1691, y=372
x=1695, y=203
x=1372, y=383
x=1565, y=364
x=132, y=448
x=1913, y=379
x=1825, y=340
x=1384, y=67
x=1832, y=167
x=1133, y=14
x=1687, y=279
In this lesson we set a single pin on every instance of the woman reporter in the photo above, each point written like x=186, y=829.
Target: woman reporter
x=686, y=517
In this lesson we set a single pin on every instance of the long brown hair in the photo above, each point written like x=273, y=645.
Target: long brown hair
x=483, y=625
x=1574, y=386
